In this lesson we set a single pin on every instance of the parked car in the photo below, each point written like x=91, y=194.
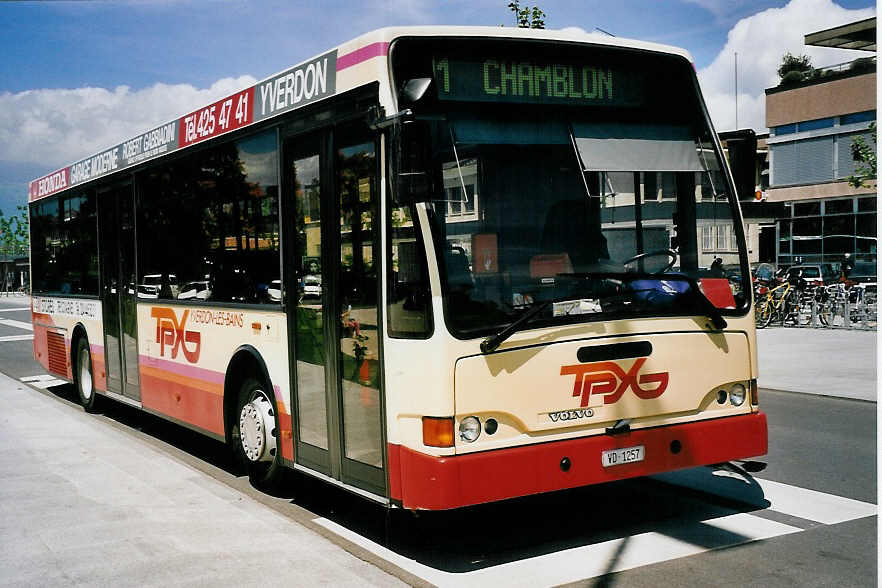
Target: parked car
x=274, y=291
x=816, y=274
x=312, y=287
x=156, y=285
x=195, y=290
x=863, y=272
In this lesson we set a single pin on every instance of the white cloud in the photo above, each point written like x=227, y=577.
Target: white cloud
x=760, y=41
x=720, y=8
x=59, y=126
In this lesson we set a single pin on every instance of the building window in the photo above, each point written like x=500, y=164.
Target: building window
x=707, y=238
x=857, y=117
x=811, y=125
x=806, y=208
x=722, y=238
x=784, y=130
x=838, y=206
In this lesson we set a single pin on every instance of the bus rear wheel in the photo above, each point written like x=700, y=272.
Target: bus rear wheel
x=256, y=436
x=83, y=379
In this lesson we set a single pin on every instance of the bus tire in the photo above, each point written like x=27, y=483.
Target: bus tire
x=83, y=379
x=255, y=436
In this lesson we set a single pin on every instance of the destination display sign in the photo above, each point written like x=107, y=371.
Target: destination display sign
x=497, y=79
x=294, y=88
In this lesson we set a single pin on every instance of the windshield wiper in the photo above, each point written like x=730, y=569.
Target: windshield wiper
x=491, y=343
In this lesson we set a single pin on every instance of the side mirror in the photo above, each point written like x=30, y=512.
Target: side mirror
x=413, y=156
x=414, y=89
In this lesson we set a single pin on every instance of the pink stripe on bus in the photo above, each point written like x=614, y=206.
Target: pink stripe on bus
x=367, y=52
x=190, y=371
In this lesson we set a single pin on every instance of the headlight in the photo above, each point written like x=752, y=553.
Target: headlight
x=737, y=395
x=469, y=429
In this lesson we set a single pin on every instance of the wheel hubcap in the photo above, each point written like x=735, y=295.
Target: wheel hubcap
x=256, y=429
x=85, y=375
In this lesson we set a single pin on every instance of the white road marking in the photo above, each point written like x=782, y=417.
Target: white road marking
x=679, y=539
x=18, y=324
x=43, y=381
x=828, y=509
x=37, y=378
x=14, y=309
x=590, y=561
x=16, y=338
x=48, y=383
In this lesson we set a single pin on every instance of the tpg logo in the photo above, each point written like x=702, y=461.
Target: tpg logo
x=606, y=378
x=171, y=333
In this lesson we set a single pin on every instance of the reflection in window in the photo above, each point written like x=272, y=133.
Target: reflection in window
x=461, y=203
x=65, y=244
x=409, y=294
x=209, y=227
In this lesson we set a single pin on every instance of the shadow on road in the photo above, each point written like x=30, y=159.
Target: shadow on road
x=481, y=536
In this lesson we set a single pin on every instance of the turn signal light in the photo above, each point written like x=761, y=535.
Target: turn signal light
x=754, y=393
x=438, y=431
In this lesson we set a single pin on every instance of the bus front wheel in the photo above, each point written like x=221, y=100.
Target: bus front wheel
x=256, y=436
x=83, y=379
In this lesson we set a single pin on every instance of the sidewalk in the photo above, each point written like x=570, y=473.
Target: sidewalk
x=827, y=362
x=83, y=503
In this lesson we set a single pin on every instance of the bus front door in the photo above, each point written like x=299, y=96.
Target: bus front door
x=332, y=286
x=119, y=290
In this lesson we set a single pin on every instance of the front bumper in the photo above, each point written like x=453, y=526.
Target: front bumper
x=420, y=481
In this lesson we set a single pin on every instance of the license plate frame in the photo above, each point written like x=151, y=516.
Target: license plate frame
x=624, y=455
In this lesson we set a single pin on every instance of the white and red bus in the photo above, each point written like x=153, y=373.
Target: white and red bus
x=437, y=266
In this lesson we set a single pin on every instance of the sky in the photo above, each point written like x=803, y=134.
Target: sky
x=77, y=77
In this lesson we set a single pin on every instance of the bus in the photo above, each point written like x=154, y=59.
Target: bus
x=435, y=266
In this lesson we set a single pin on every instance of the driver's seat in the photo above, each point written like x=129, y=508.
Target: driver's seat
x=569, y=233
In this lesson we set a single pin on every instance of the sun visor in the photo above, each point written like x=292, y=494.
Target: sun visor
x=614, y=148
x=510, y=132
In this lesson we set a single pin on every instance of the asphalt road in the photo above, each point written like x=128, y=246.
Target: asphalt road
x=808, y=518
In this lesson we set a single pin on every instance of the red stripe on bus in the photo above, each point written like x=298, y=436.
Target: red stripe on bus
x=195, y=395
x=192, y=401
x=99, y=374
x=429, y=482
x=359, y=55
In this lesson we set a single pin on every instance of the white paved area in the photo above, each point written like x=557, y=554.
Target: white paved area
x=85, y=504
x=829, y=362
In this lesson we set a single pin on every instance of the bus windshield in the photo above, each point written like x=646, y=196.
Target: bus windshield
x=593, y=211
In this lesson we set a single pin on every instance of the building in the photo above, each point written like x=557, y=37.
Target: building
x=14, y=272
x=813, y=123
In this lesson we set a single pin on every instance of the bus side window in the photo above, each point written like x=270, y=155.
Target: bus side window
x=409, y=309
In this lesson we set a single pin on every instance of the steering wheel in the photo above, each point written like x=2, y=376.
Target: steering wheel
x=670, y=253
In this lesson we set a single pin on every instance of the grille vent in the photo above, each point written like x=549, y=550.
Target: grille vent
x=57, y=353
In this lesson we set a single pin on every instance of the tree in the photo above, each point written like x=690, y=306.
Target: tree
x=864, y=157
x=801, y=65
x=529, y=17
x=14, y=233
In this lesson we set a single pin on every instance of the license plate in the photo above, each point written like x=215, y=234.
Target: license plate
x=615, y=457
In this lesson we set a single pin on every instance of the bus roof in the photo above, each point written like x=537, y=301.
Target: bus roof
x=343, y=68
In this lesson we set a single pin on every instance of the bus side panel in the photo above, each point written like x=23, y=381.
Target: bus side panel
x=54, y=320
x=185, y=353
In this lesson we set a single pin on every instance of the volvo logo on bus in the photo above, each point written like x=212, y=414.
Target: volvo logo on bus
x=170, y=333
x=608, y=379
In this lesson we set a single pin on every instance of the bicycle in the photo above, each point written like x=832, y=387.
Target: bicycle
x=774, y=302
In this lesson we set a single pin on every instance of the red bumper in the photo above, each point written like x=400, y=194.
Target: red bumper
x=422, y=481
